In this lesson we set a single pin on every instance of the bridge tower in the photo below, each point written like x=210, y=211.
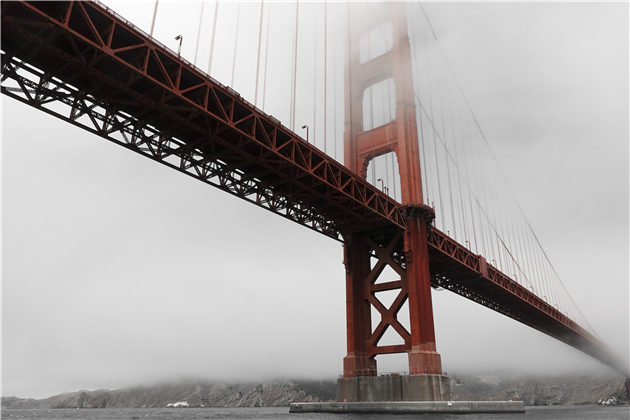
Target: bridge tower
x=368, y=253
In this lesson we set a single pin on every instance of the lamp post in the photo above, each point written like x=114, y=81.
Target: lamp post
x=382, y=184
x=306, y=126
x=179, y=38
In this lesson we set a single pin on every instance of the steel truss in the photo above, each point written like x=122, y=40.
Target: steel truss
x=138, y=94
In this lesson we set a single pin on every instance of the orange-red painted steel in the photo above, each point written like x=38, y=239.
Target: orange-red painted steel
x=401, y=137
x=82, y=63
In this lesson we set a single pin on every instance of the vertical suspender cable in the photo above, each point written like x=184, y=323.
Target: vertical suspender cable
x=448, y=166
x=501, y=228
x=295, y=50
x=553, y=283
x=547, y=282
x=325, y=71
x=385, y=100
x=154, y=16
x=315, y=82
x=426, y=190
x=387, y=117
x=367, y=13
x=468, y=183
x=548, y=263
x=511, y=248
x=335, y=87
x=458, y=173
x=369, y=57
x=508, y=235
x=485, y=230
x=525, y=249
x=238, y=18
x=348, y=41
x=437, y=165
x=262, y=4
x=518, y=249
x=198, y=33
x=536, y=263
x=266, y=55
x=491, y=228
x=214, y=31
x=292, y=76
x=475, y=194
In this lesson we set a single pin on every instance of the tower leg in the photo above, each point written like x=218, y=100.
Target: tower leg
x=358, y=311
x=423, y=357
x=406, y=253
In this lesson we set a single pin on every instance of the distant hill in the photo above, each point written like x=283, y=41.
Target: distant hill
x=195, y=393
x=553, y=390
x=572, y=389
x=569, y=390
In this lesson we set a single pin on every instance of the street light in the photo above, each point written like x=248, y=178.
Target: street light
x=179, y=38
x=306, y=126
x=382, y=184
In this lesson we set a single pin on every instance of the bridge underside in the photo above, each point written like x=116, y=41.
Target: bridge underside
x=119, y=84
x=85, y=65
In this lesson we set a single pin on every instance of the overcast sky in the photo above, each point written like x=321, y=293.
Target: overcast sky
x=117, y=270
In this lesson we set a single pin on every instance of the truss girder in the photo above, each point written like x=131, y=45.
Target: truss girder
x=455, y=268
x=133, y=81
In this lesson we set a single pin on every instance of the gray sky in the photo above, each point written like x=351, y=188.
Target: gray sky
x=117, y=270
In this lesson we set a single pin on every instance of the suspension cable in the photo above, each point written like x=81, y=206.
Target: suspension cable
x=325, y=73
x=315, y=81
x=266, y=54
x=198, y=32
x=262, y=4
x=214, y=31
x=295, y=51
x=238, y=19
x=546, y=258
x=154, y=16
x=335, y=87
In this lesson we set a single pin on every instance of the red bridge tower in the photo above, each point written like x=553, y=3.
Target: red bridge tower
x=368, y=253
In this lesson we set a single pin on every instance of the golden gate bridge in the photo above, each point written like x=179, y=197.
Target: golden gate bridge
x=83, y=63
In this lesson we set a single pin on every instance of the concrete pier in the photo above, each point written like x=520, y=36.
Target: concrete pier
x=394, y=388
x=410, y=407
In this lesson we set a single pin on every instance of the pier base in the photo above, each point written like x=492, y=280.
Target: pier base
x=414, y=407
x=394, y=388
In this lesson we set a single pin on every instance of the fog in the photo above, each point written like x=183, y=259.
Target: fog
x=117, y=271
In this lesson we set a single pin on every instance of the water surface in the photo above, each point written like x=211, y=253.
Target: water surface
x=571, y=412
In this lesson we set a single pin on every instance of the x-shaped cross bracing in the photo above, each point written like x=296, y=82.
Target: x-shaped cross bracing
x=388, y=315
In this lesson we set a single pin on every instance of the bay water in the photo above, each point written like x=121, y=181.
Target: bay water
x=565, y=412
